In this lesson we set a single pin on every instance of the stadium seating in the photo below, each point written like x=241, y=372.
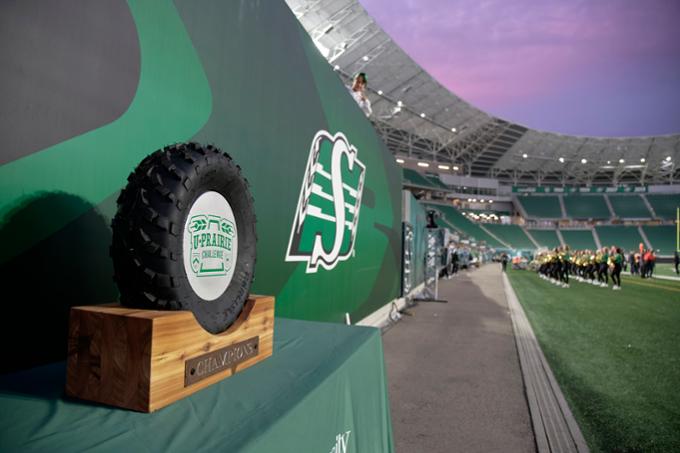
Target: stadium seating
x=586, y=207
x=665, y=206
x=414, y=178
x=579, y=239
x=662, y=238
x=546, y=238
x=541, y=207
x=629, y=207
x=460, y=223
x=436, y=182
x=511, y=235
x=626, y=237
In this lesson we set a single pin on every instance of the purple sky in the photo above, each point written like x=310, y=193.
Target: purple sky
x=582, y=67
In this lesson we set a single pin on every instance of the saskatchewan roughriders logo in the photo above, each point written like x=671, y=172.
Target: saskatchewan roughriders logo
x=211, y=245
x=327, y=215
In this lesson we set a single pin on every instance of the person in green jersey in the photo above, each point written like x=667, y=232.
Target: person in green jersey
x=616, y=257
x=603, y=272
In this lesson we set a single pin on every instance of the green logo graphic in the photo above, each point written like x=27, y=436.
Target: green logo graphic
x=325, y=224
x=211, y=245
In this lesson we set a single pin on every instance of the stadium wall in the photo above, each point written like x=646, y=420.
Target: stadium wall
x=90, y=88
x=416, y=215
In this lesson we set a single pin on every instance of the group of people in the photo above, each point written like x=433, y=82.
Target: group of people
x=587, y=266
x=642, y=263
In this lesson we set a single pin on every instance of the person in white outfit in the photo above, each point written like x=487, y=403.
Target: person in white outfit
x=357, y=90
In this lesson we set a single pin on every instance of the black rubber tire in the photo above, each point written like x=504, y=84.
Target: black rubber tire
x=147, y=243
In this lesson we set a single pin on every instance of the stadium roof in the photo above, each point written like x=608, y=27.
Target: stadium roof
x=420, y=119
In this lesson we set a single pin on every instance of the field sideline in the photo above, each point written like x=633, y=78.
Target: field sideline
x=616, y=355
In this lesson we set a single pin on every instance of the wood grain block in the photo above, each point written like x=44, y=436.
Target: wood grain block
x=146, y=359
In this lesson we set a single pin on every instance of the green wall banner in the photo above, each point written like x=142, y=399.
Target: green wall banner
x=243, y=76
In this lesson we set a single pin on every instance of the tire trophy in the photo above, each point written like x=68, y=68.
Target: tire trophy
x=184, y=235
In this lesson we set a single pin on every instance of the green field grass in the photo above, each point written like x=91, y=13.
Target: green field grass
x=616, y=355
x=665, y=269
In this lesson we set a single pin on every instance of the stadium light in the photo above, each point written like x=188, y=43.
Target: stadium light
x=622, y=161
x=443, y=167
x=400, y=161
x=584, y=161
x=423, y=164
x=561, y=159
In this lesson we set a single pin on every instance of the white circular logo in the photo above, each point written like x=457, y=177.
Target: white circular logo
x=210, y=245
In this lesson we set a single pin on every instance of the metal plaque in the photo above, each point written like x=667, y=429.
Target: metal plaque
x=203, y=366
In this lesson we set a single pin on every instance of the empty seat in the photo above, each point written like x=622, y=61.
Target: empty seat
x=546, y=238
x=579, y=239
x=511, y=235
x=629, y=207
x=412, y=177
x=454, y=218
x=663, y=238
x=435, y=181
x=586, y=207
x=665, y=206
x=626, y=237
x=541, y=207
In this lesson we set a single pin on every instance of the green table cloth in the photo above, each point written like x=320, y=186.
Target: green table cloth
x=323, y=390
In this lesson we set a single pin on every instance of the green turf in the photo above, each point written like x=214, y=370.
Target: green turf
x=616, y=356
x=665, y=269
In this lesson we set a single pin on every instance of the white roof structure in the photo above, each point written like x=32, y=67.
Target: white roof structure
x=420, y=119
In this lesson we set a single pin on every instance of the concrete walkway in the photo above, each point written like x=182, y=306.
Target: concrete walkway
x=454, y=377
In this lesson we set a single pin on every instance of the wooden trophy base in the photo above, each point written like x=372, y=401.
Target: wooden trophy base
x=146, y=359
